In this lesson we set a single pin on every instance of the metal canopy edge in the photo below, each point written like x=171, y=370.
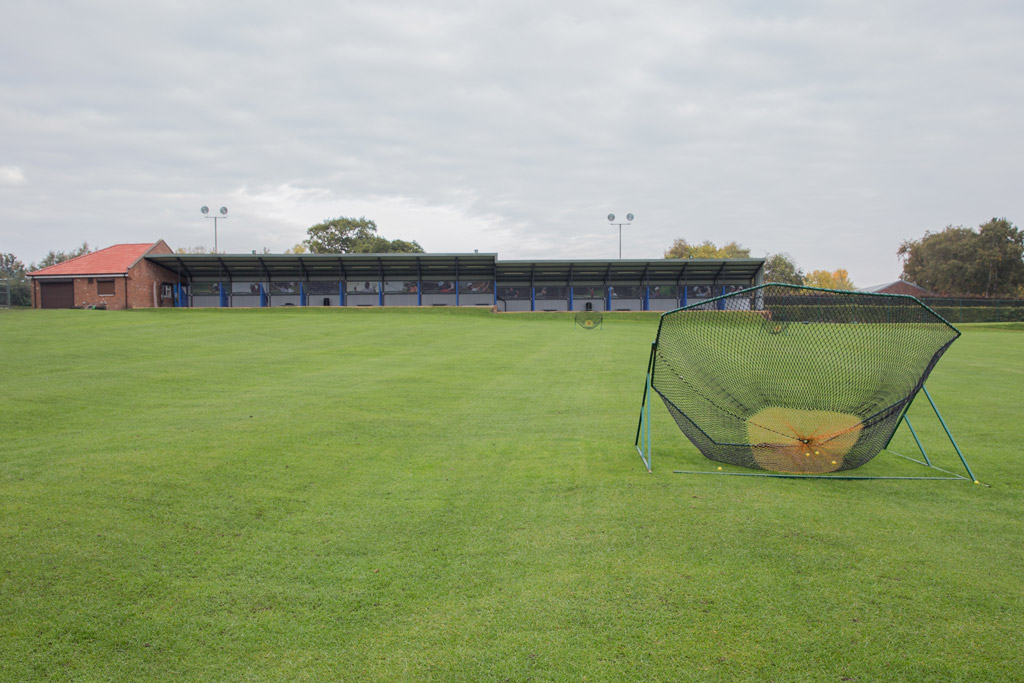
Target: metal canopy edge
x=455, y=266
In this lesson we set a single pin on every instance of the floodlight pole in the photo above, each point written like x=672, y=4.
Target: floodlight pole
x=223, y=214
x=628, y=221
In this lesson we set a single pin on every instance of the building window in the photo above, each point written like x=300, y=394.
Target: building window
x=105, y=287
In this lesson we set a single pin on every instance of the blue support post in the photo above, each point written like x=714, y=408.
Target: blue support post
x=570, y=299
x=263, y=296
x=608, y=298
x=341, y=292
x=533, y=298
x=223, y=297
x=380, y=292
x=302, y=293
x=683, y=297
x=647, y=298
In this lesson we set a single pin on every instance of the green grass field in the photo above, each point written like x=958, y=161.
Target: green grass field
x=357, y=495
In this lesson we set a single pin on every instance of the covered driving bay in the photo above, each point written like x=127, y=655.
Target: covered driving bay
x=267, y=280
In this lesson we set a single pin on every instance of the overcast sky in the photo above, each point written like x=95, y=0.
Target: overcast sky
x=828, y=130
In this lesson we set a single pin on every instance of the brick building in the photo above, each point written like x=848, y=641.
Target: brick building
x=899, y=287
x=147, y=275
x=116, y=278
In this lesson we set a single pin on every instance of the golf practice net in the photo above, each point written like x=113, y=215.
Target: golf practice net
x=589, y=320
x=795, y=379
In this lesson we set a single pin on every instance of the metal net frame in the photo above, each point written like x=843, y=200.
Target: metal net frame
x=791, y=379
x=589, y=320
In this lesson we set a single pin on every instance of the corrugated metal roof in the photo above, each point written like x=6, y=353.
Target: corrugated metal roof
x=631, y=270
x=343, y=266
x=455, y=266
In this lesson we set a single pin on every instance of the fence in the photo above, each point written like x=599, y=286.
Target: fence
x=977, y=310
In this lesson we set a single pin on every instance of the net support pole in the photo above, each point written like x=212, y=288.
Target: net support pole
x=916, y=440
x=948, y=433
x=643, y=427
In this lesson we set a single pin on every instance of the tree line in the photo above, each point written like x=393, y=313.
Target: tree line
x=16, y=273
x=984, y=262
x=964, y=262
x=987, y=261
x=777, y=268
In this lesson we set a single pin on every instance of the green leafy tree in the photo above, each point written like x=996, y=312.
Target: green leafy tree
x=13, y=270
x=835, y=279
x=52, y=258
x=198, y=249
x=381, y=245
x=987, y=262
x=707, y=249
x=354, y=236
x=782, y=268
x=338, y=235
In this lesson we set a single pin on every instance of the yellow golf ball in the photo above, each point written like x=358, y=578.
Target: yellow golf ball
x=720, y=469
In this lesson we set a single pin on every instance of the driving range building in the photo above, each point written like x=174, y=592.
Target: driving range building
x=472, y=279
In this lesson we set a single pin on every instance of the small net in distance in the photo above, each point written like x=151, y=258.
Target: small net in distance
x=795, y=379
x=589, y=320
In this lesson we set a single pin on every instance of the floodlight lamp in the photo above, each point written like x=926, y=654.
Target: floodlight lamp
x=223, y=211
x=629, y=216
x=205, y=210
x=611, y=217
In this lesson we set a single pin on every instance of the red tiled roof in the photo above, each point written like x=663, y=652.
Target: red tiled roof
x=112, y=260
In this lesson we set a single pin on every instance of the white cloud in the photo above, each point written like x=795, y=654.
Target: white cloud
x=12, y=175
x=829, y=131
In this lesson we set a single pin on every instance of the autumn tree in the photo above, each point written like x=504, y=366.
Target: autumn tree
x=836, y=279
x=706, y=249
x=986, y=262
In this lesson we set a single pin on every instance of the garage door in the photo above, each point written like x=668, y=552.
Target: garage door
x=57, y=294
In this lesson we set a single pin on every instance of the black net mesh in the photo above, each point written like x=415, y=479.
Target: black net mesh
x=589, y=320
x=795, y=379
